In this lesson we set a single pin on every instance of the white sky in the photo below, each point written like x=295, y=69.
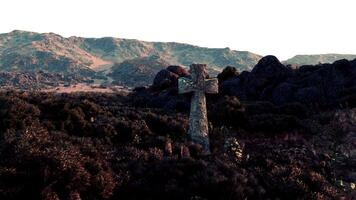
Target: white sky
x=279, y=27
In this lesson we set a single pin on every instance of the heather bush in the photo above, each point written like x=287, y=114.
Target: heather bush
x=104, y=146
x=228, y=111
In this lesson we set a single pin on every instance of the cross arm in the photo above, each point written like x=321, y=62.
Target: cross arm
x=185, y=85
x=211, y=86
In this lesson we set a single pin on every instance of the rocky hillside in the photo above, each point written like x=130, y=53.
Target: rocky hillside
x=49, y=52
x=299, y=60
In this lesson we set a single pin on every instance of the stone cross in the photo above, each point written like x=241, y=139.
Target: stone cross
x=198, y=120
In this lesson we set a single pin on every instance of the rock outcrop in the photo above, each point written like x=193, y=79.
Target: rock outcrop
x=318, y=87
x=270, y=80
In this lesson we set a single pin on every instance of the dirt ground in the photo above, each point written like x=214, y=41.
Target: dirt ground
x=86, y=88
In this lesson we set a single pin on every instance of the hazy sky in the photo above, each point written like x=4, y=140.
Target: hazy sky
x=280, y=27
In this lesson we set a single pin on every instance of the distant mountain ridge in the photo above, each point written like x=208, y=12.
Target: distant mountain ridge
x=317, y=58
x=28, y=51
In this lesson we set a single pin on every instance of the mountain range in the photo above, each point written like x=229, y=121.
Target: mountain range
x=126, y=62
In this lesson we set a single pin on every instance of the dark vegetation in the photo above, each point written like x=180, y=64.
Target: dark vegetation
x=264, y=146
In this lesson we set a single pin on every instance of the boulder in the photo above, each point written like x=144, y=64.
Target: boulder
x=271, y=67
x=165, y=79
x=179, y=70
x=342, y=65
x=228, y=73
x=168, y=77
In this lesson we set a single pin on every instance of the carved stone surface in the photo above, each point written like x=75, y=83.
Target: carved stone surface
x=198, y=121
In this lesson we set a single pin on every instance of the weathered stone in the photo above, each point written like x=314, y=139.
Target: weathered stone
x=270, y=67
x=180, y=71
x=167, y=78
x=198, y=121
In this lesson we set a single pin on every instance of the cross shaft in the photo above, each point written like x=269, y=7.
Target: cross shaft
x=198, y=85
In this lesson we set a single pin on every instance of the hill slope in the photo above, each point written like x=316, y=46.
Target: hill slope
x=137, y=72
